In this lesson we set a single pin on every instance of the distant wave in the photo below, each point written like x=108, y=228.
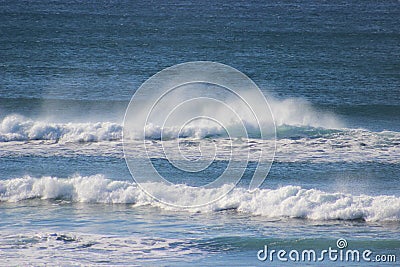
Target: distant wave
x=294, y=143
x=19, y=128
x=287, y=201
x=293, y=112
x=70, y=248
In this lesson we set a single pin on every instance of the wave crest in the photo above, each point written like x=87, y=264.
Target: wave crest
x=287, y=201
x=19, y=128
x=293, y=112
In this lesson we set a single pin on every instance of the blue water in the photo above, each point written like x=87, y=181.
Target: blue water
x=330, y=71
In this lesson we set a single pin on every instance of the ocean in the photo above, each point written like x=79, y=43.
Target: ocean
x=330, y=71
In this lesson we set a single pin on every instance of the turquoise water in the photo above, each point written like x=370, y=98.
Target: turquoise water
x=330, y=72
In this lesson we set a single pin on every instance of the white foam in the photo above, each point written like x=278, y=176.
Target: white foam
x=348, y=145
x=287, y=201
x=300, y=112
x=19, y=128
x=92, y=189
x=292, y=111
x=73, y=249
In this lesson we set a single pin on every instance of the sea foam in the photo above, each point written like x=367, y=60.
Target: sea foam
x=19, y=128
x=293, y=111
x=284, y=202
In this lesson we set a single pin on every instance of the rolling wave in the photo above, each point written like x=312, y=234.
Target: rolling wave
x=19, y=128
x=292, y=116
x=21, y=136
x=284, y=202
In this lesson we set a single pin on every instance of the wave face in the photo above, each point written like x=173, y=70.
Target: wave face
x=284, y=202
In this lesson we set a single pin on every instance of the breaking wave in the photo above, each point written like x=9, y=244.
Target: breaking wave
x=295, y=114
x=19, y=128
x=284, y=202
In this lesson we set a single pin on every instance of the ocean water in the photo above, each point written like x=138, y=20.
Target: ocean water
x=329, y=70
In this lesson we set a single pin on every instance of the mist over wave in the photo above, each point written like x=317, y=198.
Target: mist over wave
x=231, y=117
x=300, y=112
x=295, y=114
x=293, y=144
x=288, y=201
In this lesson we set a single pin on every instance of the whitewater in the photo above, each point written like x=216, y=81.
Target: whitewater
x=294, y=143
x=68, y=70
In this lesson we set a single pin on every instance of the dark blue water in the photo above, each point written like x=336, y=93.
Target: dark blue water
x=330, y=53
